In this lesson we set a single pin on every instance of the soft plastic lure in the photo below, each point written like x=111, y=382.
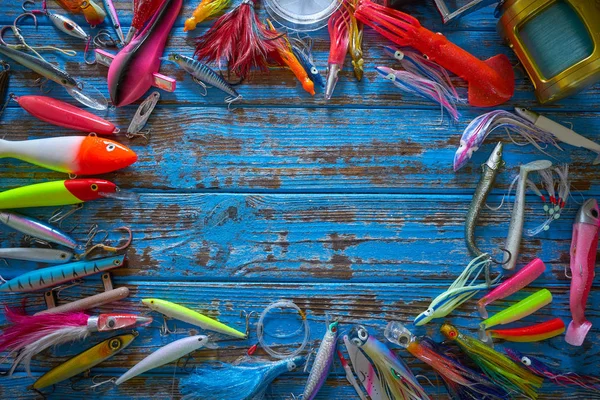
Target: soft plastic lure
x=166, y=354
x=30, y=335
x=365, y=371
x=339, y=36
x=57, y=112
x=518, y=281
x=52, y=276
x=49, y=256
x=143, y=10
x=205, y=10
x=85, y=360
x=397, y=379
x=57, y=193
x=181, y=313
x=248, y=380
x=303, y=52
x=38, y=229
x=322, y=364
x=76, y=155
x=532, y=333
x=461, y=290
x=462, y=382
x=355, y=43
x=502, y=370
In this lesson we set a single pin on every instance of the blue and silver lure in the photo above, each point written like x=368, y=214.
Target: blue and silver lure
x=303, y=52
x=323, y=361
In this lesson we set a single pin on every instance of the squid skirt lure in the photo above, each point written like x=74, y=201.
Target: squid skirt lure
x=245, y=381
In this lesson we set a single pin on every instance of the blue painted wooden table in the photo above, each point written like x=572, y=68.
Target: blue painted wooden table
x=350, y=207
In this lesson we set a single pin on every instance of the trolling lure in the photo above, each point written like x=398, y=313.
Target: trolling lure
x=76, y=155
x=181, y=313
x=518, y=281
x=4, y=80
x=478, y=130
x=166, y=354
x=37, y=229
x=204, y=75
x=205, y=10
x=350, y=376
x=52, y=276
x=491, y=82
x=510, y=376
x=30, y=335
x=461, y=290
x=248, y=380
x=356, y=31
x=85, y=360
x=143, y=10
x=365, y=371
x=339, y=36
x=323, y=361
x=489, y=171
x=461, y=381
x=49, y=256
x=114, y=18
x=142, y=114
x=558, y=194
x=584, y=245
x=397, y=379
x=532, y=333
x=303, y=52
x=58, y=193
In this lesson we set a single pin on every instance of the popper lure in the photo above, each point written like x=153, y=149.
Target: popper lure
x=461, y=290
x=85, y=360
x=462, y=382
x=50, y=256
x=247, y=380
x=181, y=313
x=323, y=361
x=206, y=9
x=76, y=155
x=532, y=333
x=513, y=378
x=166, y=354
x=339, y=36
x=30, y=335
x=37, y=229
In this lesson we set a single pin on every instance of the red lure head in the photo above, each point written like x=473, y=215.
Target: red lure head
x=89, y=189
x=99, y=156
x=111, y=322
x=143, y=10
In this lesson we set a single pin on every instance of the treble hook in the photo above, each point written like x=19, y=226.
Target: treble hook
x=247, y=316
x=164, y=329
x=185, y=363
x=112, y=249
x=59, y=215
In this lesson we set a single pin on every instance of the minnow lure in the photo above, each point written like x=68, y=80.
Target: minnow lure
x=181, y=313
x=248, y=380
x=37, y=229
x=57, y=112
x=532, y=333
x=489, y=171
x=67, y=25
x=461, y=290
x=478, y=130
x=323, y=361
x=114, y=18
x=52, y=276
x=204, y=75
x=397, y=379
x=518, y=281
x=355, y=43
x=4, y=80
x=76, y=155
x=350, y=376
x=584, y=245
x=57, y=193
x=303, y=53
x=462, y=382
x=560, y=378
x=30, y=335
x=49, y=256
x=339, y=35
x=511, y=377
x=364, y=371
x=143, y=10
x=142, y=114
x=206, y=9
x=85, y=360
x=93, y=13
x=166, y=354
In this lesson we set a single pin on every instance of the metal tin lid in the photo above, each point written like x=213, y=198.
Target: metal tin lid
x=304, y=15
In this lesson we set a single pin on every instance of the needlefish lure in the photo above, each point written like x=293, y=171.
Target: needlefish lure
x=49, y=256
x=322, y=364
x=38, y=229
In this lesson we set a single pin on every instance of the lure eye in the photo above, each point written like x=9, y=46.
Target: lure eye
x=63, y=81
x=111, y=323
x=391, y=77
x=428, y=312
x=177, y=56
x=452, y=333
x=362, y=334
x=594, y=213
x=114, y=344
x=334, y=329
x=110, y=147
x=314, y=70
x=526, y=361
x=68, y=26
x=398, y=54
x=357, y=341
x=94, y=187
x=291, y=366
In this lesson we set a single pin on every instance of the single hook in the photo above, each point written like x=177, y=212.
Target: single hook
x=57, y=290
x=77, y=379
x=86, y=51
x=42, y=11
x=202, y=85
x=112, y=249
x=505, y=262
x=185, y=363
x=104, y=39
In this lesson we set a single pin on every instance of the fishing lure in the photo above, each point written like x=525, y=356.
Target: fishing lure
x=365, y=371
x=142, y=114
x=560, y=378
x=87, y=303
x=131, y=72
x=239, y=40
x=558, y=194
x=322, y=364
x=4, y=80
x=584, y=244
x=489, y=171
x=205, y=10
x=532, y=333
x=76, y=155
x=38, y=229
x=356, y=31
x=461, y=290
x=50, y=256
x=303, y=52
x=58, y=193
x=204, y=75
x=85, y=360
x=339, y=35
x=143, y=10
x=462, y=382
x=181, y=313
x=491, y=82
x=518, y=281
x=30, y=335
x=57, y=112
x=511, y=377
x=478, y=130
x=114, y=18
x=166, y=354
x=248, y=380
x=52, y=276
x=515, y=228
x=397, y=379
x=350, y=376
